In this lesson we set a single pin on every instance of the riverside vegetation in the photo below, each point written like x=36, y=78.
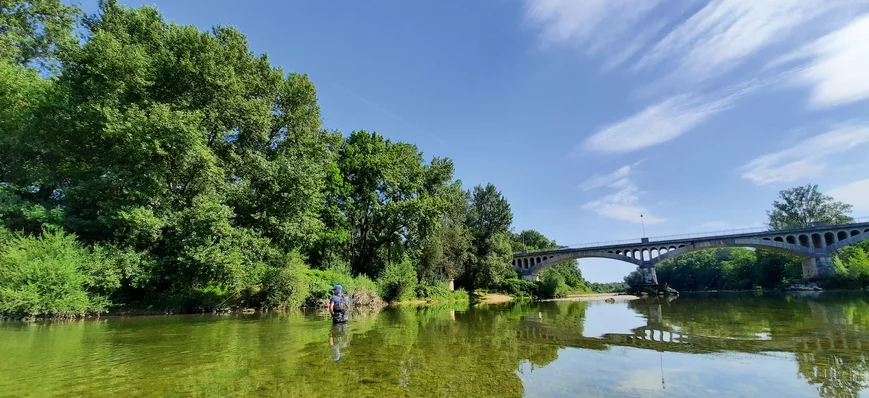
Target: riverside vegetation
x=152, y=166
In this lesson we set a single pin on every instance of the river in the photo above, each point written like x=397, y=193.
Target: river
x=695, y=345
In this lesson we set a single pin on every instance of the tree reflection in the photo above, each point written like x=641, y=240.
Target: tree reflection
x=826, y=334
x=448, y=350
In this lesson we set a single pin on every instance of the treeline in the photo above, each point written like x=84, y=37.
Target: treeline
x=154, y=165
x=742, y=268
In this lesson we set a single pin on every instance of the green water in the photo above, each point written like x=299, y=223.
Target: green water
x=705, y=345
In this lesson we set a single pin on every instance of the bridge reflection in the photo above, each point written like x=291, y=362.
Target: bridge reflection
x=827, y=338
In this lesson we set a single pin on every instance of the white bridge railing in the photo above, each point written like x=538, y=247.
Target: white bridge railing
x=712, y=234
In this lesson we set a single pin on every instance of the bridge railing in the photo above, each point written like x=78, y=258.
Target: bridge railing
x=712, y=234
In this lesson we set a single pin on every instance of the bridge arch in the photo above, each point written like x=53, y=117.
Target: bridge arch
x=552, y=260
x=753, y=243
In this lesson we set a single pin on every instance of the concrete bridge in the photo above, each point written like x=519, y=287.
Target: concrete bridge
x=814, y=245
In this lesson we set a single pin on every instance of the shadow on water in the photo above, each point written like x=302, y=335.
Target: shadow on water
x=450, y=350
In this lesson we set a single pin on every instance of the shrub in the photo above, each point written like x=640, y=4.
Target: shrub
x=397, y=282
x=460, y=294
x=361, y=290
x=433, y=289
x=5, y=236
x=288, y=286
x=50, y=275
x=518, y=287
x=552, y=285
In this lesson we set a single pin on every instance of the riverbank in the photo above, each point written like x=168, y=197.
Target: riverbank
x=597, y=297
x=494, y=298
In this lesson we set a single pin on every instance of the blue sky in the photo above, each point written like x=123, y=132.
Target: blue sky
x=587, y=113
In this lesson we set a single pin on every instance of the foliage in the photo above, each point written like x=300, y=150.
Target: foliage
x=197, y=175
x=288, y=286
x=612, y=287
x=321, y=282
x=52, y=275
x=432, y=289
x=570, y=273
x=634, y=279
x=531, y=240
x=552, y=285
x=729, y=268
x=850, y=267
x=518, y=287
x=32, y=30
x=398, y=281
x=803, y=206
x=391, y=198
x=492, y=263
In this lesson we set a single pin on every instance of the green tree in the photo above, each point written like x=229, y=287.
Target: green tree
x=177, y=143
x=31, y=30
x=803, y=206
x=392, y=198
x=489, y=222
x=531, y=240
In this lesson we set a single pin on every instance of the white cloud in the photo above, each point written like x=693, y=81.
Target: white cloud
x=837, y=66
x=617, y=179
x=668, y=119
x=725, y=33
x=622, y=205
x=656, y=124
x=590, y=24
x=855, y=193
x=696, y=41
x=807, y=158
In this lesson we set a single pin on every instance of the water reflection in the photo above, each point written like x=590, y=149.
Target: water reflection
x=701, y=345
x=339, y=339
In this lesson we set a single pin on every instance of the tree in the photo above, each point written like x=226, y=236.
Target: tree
x=803, y=206
x=488, y=222
x=392, y=198
x=490, y=213
x=177, y=143
x=31, y=30
x=531, y=240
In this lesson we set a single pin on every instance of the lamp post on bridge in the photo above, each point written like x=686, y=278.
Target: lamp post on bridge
x=643, y=224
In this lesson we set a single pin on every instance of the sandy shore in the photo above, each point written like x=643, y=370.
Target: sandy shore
x=597, y=297
x=494, y=298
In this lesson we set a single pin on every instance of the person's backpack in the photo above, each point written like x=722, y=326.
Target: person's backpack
x=341, y=305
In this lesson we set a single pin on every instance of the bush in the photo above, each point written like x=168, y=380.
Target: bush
x=51, y=275
x=288, y=286
x=433, y=289
x=518, y=287
x=361, y=290
x=460, y=294
x=552, y=285
x=398, y=281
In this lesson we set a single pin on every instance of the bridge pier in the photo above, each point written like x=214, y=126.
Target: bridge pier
x=531, y=277
x=650, y=277
x=819, y=265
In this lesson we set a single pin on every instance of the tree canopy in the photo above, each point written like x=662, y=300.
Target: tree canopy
x=804, y=206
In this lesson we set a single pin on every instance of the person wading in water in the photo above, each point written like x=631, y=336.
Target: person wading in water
x=338, y=305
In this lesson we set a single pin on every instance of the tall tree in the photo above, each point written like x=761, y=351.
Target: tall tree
x=31, y=30
x=530, y=239
x=489, y=222
x=800, y=207
x=490, y=213
x=179, y=143
x=392, y=198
